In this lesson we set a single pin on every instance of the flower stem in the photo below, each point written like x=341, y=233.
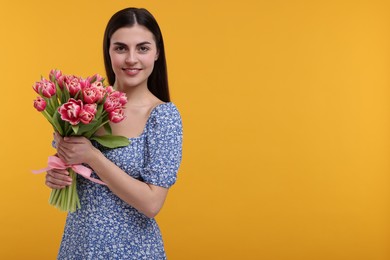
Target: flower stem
x=66, y=199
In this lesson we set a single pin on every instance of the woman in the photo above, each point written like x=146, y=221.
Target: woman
x=117, y=221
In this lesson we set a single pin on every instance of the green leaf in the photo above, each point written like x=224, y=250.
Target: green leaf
x=112, y=141
x=49, y=107
x=78, y=95
x=48, y=117
x=66, y=95
x=99, y=111
x=58, y=90
x=57, y=124
x=52, y=103
x=75, y=129
x=95, y=126
x=55, y=101
x=67, y=128
x=60, y=121
x=93, y=79
x=107, y=127
x=84, y=129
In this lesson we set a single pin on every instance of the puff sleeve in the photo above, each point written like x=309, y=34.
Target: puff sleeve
x=163, y=146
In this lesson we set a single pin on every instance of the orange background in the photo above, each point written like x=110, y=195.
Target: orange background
x=285, y=107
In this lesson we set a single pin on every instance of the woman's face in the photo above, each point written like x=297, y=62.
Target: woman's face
x=133, y=52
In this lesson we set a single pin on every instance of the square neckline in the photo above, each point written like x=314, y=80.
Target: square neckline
x=147, y=121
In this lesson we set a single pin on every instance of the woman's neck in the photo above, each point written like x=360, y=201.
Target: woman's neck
x=138, y=96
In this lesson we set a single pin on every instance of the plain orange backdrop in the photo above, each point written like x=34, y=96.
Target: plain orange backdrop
x=285, y=107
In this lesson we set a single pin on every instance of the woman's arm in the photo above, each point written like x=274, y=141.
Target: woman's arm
x=146, y=198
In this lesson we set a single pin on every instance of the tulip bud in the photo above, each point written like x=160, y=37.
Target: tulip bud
x=54, y=75
x=40, y=104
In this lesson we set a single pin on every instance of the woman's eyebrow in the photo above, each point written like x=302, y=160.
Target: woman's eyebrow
x=119, y=43
x=143, y=43
x=138, y=44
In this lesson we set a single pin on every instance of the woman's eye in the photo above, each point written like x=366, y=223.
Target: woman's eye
x=120, y=49
x=143, y=48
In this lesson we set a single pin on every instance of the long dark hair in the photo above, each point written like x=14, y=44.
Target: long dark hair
x=158, y=79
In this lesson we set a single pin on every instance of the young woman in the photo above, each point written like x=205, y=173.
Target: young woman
x=117, y=221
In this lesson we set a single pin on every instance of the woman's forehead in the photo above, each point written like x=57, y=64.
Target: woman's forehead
x=135, y=33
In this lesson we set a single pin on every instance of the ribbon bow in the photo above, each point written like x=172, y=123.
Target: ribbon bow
x=55, y=162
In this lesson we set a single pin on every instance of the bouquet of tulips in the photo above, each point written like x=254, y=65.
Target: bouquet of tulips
x=77, y=106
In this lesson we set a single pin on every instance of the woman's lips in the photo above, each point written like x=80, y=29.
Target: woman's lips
x=131, y=71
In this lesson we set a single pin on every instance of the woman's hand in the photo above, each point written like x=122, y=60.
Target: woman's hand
x=74, y=150
x=58, y=179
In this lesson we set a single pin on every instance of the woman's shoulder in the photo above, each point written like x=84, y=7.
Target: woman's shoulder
x=165, y=114
x=165, y=110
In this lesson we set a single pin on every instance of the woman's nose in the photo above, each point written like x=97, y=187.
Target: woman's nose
x=131, y=57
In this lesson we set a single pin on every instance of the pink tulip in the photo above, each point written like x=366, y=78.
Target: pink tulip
x=94, y=93
x=84, y=83
x=110, y=104
x=55, y=75
x=37, y=87
x=49, y=89
x=45, y=88
x=61, y=81
x=95, y=78
x=109, y=89
x=88, y=113
x=116, y=116
x=64, y=80
x=86, y=117
x=40, y=104
x=90, y=108
x=115, y=100
x=70, y=111
x=73, y=85
x=120, y=96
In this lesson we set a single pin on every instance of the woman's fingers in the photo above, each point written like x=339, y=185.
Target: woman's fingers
x=58, y=179
x=54, y=186
x=74, y=150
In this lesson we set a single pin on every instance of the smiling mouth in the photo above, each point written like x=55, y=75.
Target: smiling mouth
x=131, y=71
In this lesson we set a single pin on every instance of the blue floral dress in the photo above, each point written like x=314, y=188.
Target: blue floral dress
x=106, y=227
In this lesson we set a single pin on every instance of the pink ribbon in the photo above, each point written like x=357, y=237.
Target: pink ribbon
x=55, y=162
